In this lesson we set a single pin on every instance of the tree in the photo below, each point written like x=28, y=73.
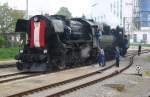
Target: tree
x=2, y=41
x=8, y=18
x=65, y=12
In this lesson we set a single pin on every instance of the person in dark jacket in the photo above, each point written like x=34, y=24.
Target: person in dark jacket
x=139, y=50
x=117, y=56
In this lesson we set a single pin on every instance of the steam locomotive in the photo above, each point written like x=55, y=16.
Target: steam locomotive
x=57, y=42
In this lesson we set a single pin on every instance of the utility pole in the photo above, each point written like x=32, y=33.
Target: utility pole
x=27, y=17
x=121, y=17
x=124, y=24
x=27, y=14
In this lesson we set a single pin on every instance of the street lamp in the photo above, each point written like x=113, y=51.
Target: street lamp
x=93, y=5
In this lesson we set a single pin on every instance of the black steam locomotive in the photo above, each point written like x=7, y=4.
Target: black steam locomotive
x=57, y=42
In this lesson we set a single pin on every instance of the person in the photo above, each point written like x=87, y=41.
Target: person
x=139, y=50
x=117, y=56
x=98, y=35
x=126, y=45
x=102, y=58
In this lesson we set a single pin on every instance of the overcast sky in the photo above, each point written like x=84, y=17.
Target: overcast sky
x=76, y=7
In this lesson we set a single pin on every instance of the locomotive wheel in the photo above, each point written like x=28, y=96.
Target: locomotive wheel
x=19, y=66
x=61, y=63
x=61, y=66
x=50, y=64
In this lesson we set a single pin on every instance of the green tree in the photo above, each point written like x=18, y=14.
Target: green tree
x=65, y=12
x=2, y=41
x=8, y=18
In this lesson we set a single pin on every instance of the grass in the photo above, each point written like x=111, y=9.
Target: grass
x=8, y=53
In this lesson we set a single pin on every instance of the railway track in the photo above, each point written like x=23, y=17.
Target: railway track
x=7, y=66
x=60, y=93
x=23, y=75
x=71, y=89
x=87, y=83
x=63, y=83
x=60, y=83
x=16, y=76
x=134, y=52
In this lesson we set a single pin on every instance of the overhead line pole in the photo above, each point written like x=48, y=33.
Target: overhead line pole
x=27, y=14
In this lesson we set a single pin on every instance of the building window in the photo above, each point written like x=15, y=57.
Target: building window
x=134, y=38
x=144, y=38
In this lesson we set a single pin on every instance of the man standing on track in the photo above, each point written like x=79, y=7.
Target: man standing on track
x=117, y=56
x=139, y=50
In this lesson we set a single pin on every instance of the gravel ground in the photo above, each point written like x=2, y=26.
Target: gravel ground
x=127, y=84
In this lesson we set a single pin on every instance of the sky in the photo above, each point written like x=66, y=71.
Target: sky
x=96, y=9
x=76, y=7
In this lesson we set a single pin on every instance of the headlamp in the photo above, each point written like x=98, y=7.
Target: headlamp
x=45, y=51
x=21, y=51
